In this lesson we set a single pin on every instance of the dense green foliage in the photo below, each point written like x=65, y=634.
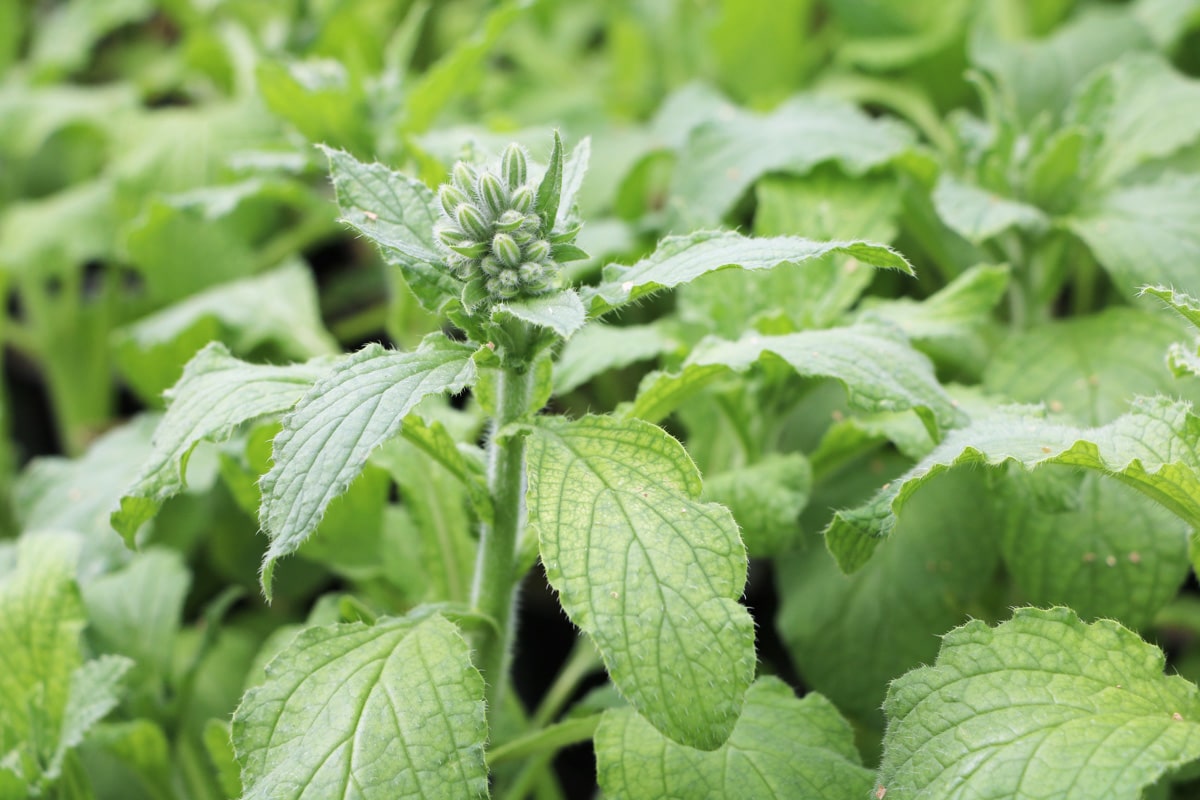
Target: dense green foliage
x=783, y=347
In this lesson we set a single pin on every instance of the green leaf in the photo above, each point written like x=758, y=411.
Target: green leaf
x=464, y=462
x=880, y=371
x=766, y=499
x=215, y=397
x=549, y=191
x=319, y=97
x=94, y=691
x=141, y=747
x=397, y=213
x=456, y=72
x=328, y=436
x=825, y=205
x=561, y=312
x=574, y=169
x=41, y=618
x=978, y=215
x=1183, y=304
x=1090, y=367
x=650, y=573
x=1141, y=107
x=1040, y=706
x=277, y=309
x=1148, y=233
x=1102, y=550
x=1155, y=449
x=680, y=259
x=136, y=611
x=219, y=746
x=961, y=304
x=394, y=710
x=724, y=158
x=780, y=747
x=598, y=348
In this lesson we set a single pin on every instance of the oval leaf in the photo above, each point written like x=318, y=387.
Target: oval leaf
x=390, y=711
x=1040, y=706
x=650, y=573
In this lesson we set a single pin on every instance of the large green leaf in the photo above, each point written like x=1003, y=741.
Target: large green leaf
x=781, y=747
x=328, y=436
x=1102, y=550
x=680, y=259
x=880, y=371
x=724, y=158
x=1149, y=233
x=390, y=711
x=396, y=212
x=1143, y=109
x=1040, y=706
x=1088, y=366
x=215, y=397
x=648, y=571
x=885, y=618
x=1155, y=449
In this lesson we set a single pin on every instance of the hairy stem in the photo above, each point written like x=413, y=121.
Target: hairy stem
x=493, y=591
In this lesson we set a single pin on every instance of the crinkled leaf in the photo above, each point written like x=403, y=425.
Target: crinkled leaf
x=278, y=308
x=1155, y=449
x=41, y=618
x=648, y=571
x=94, y=691
x=328, y=436
x=723, y=158
x=390, y=711
x=885, y=618
x=1102, y=550
x=1149, y=233
x=1040, y=706
x=766, y=499
x=680, y=259
x=880, y=371
x=398, y=213
x=978, y=215
x=561, y=312
x=1091, y=367
x=215, y=397
x=1184, y=304
x=780, y=747
x=598, y=348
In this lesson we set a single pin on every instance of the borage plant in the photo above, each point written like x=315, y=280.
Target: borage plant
x=420, y=705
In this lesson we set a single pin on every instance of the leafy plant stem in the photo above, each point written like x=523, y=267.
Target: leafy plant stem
x=550, y=739
x=581, y=662
x=492, y=592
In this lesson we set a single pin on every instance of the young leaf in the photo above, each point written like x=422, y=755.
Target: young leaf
x=599, y=348
x=393, y=710
x=780, y=747
x=1040, y=706
x=650, y=573
x=328, y=436
x=95, y=691
x=550, y=189
x=878, y=368
x=680, y=259
x=574, y=169
x=1155, y=449
x=216, y=395
x=978, y=215
x=723, y=158
x=561, y=312
x=398, y=213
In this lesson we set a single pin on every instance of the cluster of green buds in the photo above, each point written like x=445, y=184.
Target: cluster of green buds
x=491, y=233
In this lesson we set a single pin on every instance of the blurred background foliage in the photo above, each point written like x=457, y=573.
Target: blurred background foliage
x=159, y=189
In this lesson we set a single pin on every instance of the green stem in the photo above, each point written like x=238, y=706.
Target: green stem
x=547, y=740
x=493, y=591
x=582, y=662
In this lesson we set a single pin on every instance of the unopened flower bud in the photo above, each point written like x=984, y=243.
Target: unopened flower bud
x=471, y=220
x=537, y=250
x=507, y=251
x=510, y=220
x=492, y=192
x=464, y=177
x=522, y=199
x=513, y=166
x=451, y=198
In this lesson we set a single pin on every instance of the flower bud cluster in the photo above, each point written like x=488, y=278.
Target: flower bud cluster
x=490, y=232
